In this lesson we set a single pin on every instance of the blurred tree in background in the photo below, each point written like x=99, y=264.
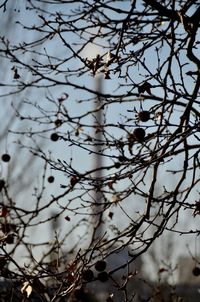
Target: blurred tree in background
x=102, y=101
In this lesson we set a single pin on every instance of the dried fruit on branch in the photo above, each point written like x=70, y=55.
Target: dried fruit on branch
x=144, y=116
x=26, y=289
x=100, y=265
x=145, y=87
x=139, y=134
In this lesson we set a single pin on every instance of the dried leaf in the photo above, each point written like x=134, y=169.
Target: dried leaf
x=26, y=289
x=73, y=180
x=16, y=75
x=158, y=115
x=115, y=198
x=67, y=218
x=110, y=215
x=197, y=208
x=145, y=87
x=94, y=64
x=110, y=185
x=4, y=212
x=140, y=89
x=162, y=270
x=8, y=227
x=107, y=75
x=63, y=97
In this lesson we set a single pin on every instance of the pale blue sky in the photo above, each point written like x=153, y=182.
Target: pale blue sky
x=115, y=113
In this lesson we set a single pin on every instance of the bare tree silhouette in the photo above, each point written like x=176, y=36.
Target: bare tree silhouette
x=110, y=149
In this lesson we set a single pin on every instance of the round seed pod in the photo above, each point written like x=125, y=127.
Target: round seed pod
x=144, y=116
x=50, y=179
x=54, y=137
x=139, y=134
x=103, y=276
x=100, y=265
x=5, y=157
x=196, y=271
x=88, y=275
x=58, y=123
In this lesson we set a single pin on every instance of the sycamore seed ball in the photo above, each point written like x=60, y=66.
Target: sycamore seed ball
x=103, y=276
x=139, y=134
x=196, y=271
x=88, y=275
x=50, y=179
x=5, y=157
x=54, y=137
x=100, y=265
x=144, y=116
